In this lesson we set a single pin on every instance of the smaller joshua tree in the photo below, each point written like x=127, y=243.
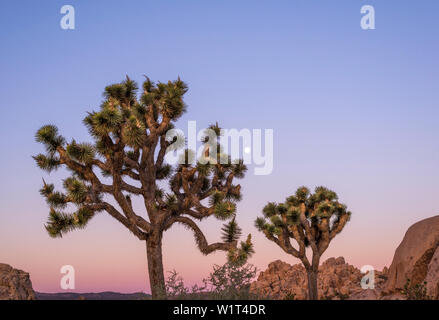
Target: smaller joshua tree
x=312, y=220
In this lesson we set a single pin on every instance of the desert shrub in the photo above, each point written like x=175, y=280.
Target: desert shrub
x=341, y=296
x=176, y=290
x=231, y=282
x=290, y=296
x=175, y=286
x=383, y=276
x=226, y=282
x=415, y=292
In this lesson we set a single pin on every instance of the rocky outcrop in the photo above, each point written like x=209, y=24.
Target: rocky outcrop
x=280, y=281
x=336, y=280
x=15, y=284
x=417, y=258
x=432, y=277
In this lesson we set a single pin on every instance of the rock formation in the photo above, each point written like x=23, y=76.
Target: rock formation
x=15, y=284
x=417, y=258
x=336, y=280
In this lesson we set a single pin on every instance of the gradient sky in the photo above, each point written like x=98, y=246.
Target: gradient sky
x=353, y=110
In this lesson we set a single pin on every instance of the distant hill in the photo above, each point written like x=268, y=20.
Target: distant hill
x=92, y=296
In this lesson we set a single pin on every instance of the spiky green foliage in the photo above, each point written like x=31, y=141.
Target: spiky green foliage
x=239, y=169
x=239, y=256
x=60, y=223
x=48, y=135
x=76, y=190
x=321, y=206
x=231, y=231
x=46, y=162
x=82, y=216
x=216, y=197
x=133, y=133
x=163, y=172
x=225, y=210
x=172, y=203
x=270, y=209
x=130, y=142
x=82, y=152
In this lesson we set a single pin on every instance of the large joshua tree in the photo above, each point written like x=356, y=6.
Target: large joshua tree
x=127, y=160
x=312, y=220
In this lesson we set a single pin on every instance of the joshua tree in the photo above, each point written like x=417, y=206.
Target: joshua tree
x=312, y=220
x=127, y=159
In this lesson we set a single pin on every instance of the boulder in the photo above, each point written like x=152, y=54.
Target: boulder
x=413, y=258
x=281, y=280
x=432, y=278
x=15, y=284
x=368, y=294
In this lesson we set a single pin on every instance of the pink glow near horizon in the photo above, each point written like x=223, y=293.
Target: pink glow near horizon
x=107, y=257
x=111, y=259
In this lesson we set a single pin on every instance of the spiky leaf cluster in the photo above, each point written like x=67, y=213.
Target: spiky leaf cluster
x=81, y=152
x=239, y=256
x=311, y=219
x=48, y=135
x=60, y=223
x=322, y=204
x=47, y=162
x=231, y=231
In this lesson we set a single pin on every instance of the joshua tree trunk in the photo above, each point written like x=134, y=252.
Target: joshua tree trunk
x=155, y=266
x=312, y=284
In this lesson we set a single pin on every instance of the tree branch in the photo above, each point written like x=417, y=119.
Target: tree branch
x=200, y=239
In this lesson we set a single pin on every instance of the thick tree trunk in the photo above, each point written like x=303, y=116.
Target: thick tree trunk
x=155, y=267
x=312, y=284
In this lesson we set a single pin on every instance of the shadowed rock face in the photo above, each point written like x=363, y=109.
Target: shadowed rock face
x=417, y=258
x=15, y=284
